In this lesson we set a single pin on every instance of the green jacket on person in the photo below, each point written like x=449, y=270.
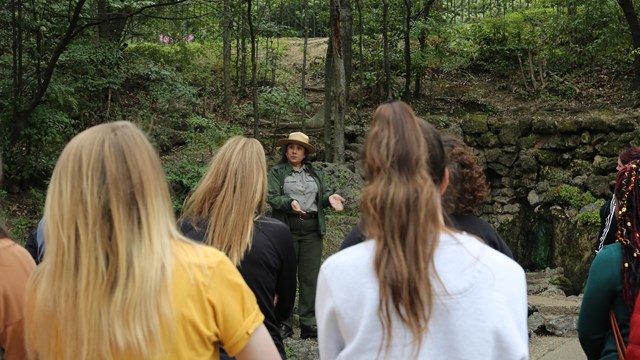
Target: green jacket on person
x=281, y=203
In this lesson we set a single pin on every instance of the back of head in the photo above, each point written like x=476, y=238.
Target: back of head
x=437, y=157
x=230, y=195
x=630, y=154
x=468, y=186
x=103, y=287
x=627, y=193
x=400, y=209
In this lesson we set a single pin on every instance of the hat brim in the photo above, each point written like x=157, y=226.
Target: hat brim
x=310, y=148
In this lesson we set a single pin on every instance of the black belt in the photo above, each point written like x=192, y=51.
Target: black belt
x=307, y=216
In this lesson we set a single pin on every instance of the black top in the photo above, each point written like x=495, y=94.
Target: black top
x=608, y=224
x=482, y=229
x=32, y=245
x=467, y=223
x=269, y=268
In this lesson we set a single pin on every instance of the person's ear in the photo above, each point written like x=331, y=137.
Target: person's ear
x=445, y=181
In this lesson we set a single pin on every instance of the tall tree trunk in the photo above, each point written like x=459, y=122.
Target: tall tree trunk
x=266, y=58
x=360, y=54
x=226, y=57
x=385, y=45
x=243, y=57
x=305, y=5
x=422, y=39
x=254, y=77
x=39, y=39
x=346, y=40
x=407, y=52
x=112, y=23
x=634, y=27
x=274, y=62
x=328, y=100
x=237, y=60
x=303, y=81
x=339, y=84
x=19, y=122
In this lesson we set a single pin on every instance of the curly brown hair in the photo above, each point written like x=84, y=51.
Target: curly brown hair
x=468, y=186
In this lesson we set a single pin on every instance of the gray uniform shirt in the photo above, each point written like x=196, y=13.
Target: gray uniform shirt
x=301, y=186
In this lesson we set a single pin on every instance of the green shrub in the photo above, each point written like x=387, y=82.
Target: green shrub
x=33, y=158
x=185, y=169
x=567, y=195
x=589, y=217
x=21, y=217
x=280, y=103
x=557, y=40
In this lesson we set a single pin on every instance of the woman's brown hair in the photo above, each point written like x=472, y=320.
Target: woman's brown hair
x=401, y=210
x=468, y=186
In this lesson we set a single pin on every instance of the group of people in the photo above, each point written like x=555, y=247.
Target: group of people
x=122, y=278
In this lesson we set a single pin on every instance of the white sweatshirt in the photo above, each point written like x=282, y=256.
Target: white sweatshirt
x=482, y=314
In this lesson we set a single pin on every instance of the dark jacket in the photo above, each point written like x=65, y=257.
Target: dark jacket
x=281, y=203
x=482, y=229
x=35, y=243
x=269, y=268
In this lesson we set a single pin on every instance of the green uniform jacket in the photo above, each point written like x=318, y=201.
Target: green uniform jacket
x=281, y=203
x=603, y=292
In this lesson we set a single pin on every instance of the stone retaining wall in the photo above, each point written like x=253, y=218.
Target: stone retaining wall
x=526, y=159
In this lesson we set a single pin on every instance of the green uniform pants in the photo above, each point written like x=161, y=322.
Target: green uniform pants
x=307, y=244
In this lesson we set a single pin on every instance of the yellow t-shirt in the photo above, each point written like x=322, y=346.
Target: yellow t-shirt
x=213, y=305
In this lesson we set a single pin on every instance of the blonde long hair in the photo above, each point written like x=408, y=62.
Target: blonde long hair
x=230, y=196
x=400, y=209
x=103, y=288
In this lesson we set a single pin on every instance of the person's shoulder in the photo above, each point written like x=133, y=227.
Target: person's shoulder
x=269, y=223
x=350, y=258
x=8, y=245
x=12, y=252
x=272, y=231
x=470, y=222
x=279, y=166
x=354, y=237
x=316, y=168
x=193, y=228
x=193, y=253
x=480, y=250
x=611, y=251
x=606, y=205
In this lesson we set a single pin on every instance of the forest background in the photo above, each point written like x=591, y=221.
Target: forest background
x=192, y=73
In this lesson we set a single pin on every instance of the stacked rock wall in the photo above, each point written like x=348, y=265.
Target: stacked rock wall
x=526, y=159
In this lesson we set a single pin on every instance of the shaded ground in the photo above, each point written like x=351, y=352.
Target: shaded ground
x=540, y=348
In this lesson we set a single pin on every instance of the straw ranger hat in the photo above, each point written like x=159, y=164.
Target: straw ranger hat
x=297, y=138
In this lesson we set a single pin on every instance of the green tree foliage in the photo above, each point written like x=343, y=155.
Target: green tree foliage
x=551, y=36
x=185, y=170
x=68, y=64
